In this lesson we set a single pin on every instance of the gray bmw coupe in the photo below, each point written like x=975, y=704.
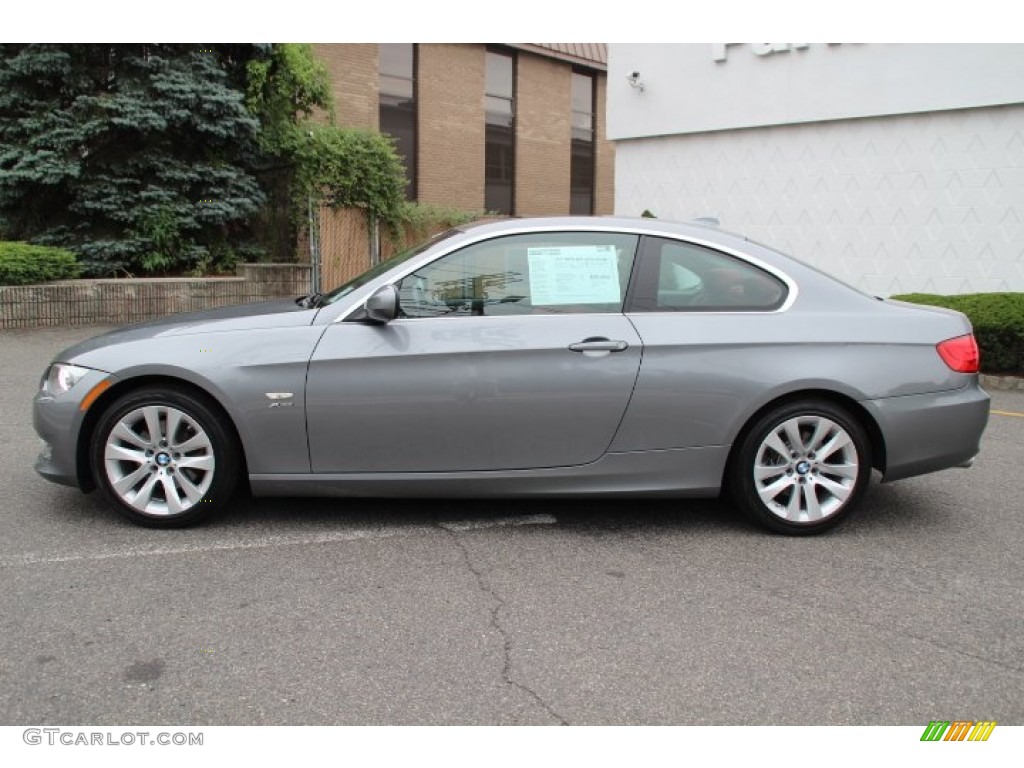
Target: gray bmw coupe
x=531, y=357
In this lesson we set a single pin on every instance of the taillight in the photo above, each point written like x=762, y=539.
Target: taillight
x=960, y=354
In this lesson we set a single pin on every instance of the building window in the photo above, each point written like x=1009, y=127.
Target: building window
x=499, y=149
x=581, y=172
x=397, y=69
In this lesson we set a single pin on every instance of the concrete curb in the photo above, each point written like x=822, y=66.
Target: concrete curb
x=1003, y=383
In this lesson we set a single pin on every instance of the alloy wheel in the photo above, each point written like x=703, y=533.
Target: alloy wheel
x=806, y=469
x=159, y=460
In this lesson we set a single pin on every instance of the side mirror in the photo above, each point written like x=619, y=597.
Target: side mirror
x=382, y=306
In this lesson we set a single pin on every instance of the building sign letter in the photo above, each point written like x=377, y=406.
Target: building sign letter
x=720, y=51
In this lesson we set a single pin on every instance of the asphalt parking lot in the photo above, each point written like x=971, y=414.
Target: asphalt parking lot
x=287, y=612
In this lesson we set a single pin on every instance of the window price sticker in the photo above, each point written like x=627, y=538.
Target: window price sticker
x=578, y=274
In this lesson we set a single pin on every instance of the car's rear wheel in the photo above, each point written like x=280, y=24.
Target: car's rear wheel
x=802, y=467
x=164, y=457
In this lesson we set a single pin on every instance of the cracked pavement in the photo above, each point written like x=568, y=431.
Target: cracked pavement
x=294, y=612
x=506, y=639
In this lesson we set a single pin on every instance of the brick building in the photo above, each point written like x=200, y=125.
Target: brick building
x=516, y=129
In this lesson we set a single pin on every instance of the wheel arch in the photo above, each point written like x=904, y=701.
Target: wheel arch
x=123, y=387
x=858, y=411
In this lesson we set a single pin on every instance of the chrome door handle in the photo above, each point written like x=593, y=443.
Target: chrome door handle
x=598, y=345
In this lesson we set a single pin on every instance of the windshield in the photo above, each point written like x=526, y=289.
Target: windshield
x=379, y=269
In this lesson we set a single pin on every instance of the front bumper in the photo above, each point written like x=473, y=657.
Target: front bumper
x=931, y=432
x=58, y=420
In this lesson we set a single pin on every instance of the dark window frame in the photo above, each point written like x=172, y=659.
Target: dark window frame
x=512, y=129
x=592, y=75
x=412, y=167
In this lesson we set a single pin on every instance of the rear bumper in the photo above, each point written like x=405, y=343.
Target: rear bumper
x=931, y=432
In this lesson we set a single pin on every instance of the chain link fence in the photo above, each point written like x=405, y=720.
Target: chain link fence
x=344, y=248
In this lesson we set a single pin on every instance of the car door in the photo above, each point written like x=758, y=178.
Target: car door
x=510, y=353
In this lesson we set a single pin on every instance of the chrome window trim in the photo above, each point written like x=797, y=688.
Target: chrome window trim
x=791, y=284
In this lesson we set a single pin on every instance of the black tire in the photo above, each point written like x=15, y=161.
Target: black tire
x=806, y=491
x=164, y=488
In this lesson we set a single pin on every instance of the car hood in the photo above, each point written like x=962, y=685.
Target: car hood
x=264, y=314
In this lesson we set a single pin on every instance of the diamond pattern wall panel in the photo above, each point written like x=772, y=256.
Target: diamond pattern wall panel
x=931, y=202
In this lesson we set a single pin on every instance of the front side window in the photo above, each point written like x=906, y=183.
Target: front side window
x=537, y=273
x=676, y=276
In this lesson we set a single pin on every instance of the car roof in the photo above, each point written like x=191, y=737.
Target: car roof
x=698, y=228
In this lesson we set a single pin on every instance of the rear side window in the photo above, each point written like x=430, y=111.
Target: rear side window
x=529, y=274
x=675, y=276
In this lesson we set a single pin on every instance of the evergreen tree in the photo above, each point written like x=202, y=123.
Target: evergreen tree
x=136, y=157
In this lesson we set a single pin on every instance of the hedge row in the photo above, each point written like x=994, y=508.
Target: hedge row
x=998, y=320
x=24, y=264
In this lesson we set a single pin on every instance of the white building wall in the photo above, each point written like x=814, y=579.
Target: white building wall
x=696, y=87
x=931, y=202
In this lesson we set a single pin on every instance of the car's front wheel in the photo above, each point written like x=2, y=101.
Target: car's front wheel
x=164, y=457
x=802, y=467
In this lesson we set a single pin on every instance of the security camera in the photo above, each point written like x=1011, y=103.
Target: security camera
x=634, y=80
x=635, y=75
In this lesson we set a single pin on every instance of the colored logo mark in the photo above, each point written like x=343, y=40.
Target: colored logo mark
x=958, y=730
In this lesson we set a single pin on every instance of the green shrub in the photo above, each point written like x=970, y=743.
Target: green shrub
x=23, y=264
x=349, y=168
x=998, y=320
x=417, y=222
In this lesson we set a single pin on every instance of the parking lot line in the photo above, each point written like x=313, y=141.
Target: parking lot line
x=497, y=522
x=330, y=537
x=1008, y=413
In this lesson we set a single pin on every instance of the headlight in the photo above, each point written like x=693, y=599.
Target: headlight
x=61, y=377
